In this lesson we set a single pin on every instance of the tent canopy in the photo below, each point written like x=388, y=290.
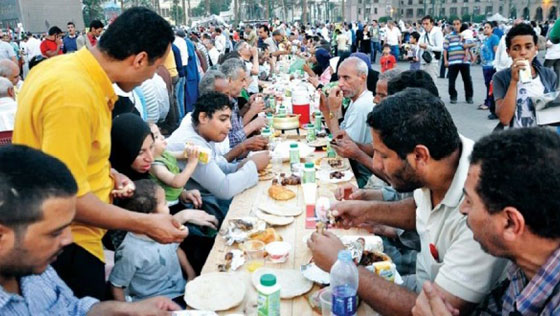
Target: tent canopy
x=498, y=18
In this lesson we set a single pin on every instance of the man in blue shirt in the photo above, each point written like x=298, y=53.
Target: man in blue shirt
x=38, y=203
x=69, y=41
x=487, y=54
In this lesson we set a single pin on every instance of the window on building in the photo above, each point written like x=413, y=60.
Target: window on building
x=465, y=1
x=431, y=11
x=453, y=1
x=375, y=1
x=374, y=10
x=476, y=10
x=420, y=12
x=442, y=12
x=360, y=1
x=368, y=11
x=453, y=11
x=420, y=1
x=409, y=2
x=489, y=10
x=409, y=13
x=501, y=9
x=359, y=11
x=464, y=11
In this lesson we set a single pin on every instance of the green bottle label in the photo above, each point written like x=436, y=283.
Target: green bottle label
x=269, y=305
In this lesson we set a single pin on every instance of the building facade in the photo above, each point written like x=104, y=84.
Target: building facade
x=414, y=10
x=39, y=15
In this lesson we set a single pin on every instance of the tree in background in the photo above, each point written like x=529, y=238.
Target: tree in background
x=92, y=10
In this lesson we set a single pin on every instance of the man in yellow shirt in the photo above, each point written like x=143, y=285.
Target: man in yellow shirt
x=65, y=110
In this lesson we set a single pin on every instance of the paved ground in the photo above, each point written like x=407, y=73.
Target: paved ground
x=471, y=122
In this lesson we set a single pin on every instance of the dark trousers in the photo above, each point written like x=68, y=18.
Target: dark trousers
x=172, y=120
x=442, y=69
x=375, y=48
x=81, y=271
x=555, y=65
x=465, y=70
x=488, y=72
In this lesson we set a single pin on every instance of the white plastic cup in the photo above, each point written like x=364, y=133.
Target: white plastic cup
x=326, y=301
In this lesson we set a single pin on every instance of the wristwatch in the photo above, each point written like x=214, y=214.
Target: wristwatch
x=331, y=115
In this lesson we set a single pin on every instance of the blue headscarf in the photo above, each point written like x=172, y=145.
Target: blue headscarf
x=323, y=57
x=363, y=57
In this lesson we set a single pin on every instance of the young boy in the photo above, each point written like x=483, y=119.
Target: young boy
x=167, y=174
x=414, y=51
x=144, y=267
x=514, y=106
x=387, y=60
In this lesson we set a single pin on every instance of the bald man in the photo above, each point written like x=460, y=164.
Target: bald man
x=10, y=71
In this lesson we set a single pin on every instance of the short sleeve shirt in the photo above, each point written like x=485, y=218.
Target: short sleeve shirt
x=48, y=45
x=354, y=122
x=449, y=255
x=6, y=50
x=147, y=268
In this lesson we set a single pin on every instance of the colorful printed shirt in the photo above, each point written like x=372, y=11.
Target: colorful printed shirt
x=487, y=52
x=236, y=134
x=455, y=47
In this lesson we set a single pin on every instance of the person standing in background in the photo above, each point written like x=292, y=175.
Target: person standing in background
x=69, y=41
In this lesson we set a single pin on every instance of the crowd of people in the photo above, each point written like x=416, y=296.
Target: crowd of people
x=99, y=162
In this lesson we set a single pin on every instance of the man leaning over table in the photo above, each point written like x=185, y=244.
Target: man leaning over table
x=418, y=148
x=38, y=195
x=509, y=222
x=65, y=110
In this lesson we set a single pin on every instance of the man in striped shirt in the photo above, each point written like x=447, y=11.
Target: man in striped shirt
x=37, y=206
x=454, y=57
x=512, y=198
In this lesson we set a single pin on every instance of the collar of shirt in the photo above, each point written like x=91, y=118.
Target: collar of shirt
x=454, y=194
x=531, y=298
x=98, y=75
x=363, y=94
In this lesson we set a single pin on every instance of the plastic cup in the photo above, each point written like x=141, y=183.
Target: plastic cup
x=326, y=301
x=255, y=254
x=276, y=161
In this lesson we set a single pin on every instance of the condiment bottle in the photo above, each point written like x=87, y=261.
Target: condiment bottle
x=268, y=300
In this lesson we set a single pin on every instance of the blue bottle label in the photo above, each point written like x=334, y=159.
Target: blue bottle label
x=344, y=306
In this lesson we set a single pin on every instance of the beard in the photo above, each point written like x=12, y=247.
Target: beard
x=19, y=262
x=405, y=179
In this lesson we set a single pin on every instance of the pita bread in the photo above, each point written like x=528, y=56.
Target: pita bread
x=292, y=283
x=216, y=291
x=280, y=210
x=274, y=220
x=266, y=175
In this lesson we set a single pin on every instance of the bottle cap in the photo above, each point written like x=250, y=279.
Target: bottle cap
x=309, y=165
x=294, y=145
x=344, y=255
x=268, y=280
x=310, y=126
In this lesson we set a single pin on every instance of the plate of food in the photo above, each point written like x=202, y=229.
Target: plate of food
x=216, y=291
x=292, y=283
x=239, y=229
x=336, y=176
x=267, y=236
x=319, y=142
x=334, y=164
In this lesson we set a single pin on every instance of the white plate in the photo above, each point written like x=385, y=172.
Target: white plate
x=283, y=150
x=194, y=313
x=325, y=176
x=315, y=274
x=373, y=243
x=304, y=285
x=216, y=291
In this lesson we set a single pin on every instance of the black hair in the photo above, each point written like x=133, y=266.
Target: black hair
x=429, y=18
x=337, y=31
x=521, y=168
x=520, y=30
x=96, y=24
x=415, y=117
x=70, y=23
x=209, y=103
x=137, y=30
x=265, y=28
x=416, y=35
x=464, y=27
x=386, y=45
x=489, y=23
x=36, y=60
x=412, y=79
x=28, y=177
x=144, y=199
x=54, y=30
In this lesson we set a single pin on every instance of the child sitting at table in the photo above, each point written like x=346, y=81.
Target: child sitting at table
x=144, y=267
x=166, y=172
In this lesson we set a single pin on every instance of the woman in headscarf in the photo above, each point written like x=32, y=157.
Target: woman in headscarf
x=131, y=146
x=320, y=60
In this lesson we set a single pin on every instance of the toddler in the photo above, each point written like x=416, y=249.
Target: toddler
x=387, y=60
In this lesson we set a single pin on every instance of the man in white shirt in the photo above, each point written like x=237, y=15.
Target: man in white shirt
x=432, y=42
x=33, y=47
x=220, y=41
x=213, y=53
x=8, y=105
x=417, y=148
x=393, y=38
x=325, y=33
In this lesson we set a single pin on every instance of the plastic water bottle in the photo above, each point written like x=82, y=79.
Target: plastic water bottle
x=268, y=299
x=344, y=285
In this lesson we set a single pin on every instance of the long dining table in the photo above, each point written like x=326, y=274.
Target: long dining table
x=245, y=204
